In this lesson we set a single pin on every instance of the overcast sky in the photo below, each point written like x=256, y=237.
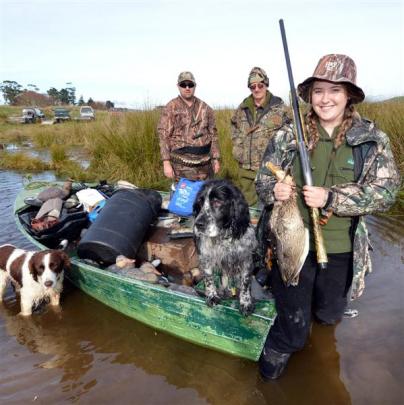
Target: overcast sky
x=130, y=52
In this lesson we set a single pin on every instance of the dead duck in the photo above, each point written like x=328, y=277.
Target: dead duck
x=56, y=192
x=125, y=266
x=292, y=238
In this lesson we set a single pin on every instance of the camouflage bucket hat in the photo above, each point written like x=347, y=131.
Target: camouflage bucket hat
x=336, y=69
x=257, y=75
x=186, y=76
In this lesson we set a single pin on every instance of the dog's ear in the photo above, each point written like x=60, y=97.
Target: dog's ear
x=198, y=203
x=33, y=264
x=65, y=259
x=240, y=214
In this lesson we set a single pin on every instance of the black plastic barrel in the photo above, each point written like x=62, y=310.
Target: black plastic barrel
x=121, y=226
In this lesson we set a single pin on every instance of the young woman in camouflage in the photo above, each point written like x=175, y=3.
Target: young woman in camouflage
x=254, y=122
x=354, y=174
x=188, y=137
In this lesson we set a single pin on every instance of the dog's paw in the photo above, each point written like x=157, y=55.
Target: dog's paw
x=226, y=293
x=247, y=308
x=212, y=300
x=24, y=314
x=56, y=309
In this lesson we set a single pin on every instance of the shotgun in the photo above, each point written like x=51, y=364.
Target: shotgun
x=304, y=156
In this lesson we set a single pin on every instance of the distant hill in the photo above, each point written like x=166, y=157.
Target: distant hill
x=380, y=99
x=399, y=99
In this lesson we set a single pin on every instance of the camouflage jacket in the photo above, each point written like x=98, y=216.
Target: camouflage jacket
x=250, y=135
x=182, y=126
x=376, y=184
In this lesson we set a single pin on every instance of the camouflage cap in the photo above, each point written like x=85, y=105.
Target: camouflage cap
x=257, y=75
x=186, y=76
x=337, y=69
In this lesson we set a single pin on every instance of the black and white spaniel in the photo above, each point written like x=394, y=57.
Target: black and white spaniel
x=34, y=275
x=225, y=240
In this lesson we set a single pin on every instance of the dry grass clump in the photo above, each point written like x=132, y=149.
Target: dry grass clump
x=229, y=166
x=22, y=162
x=67, y=133
x=126, y=146
x=389, y=117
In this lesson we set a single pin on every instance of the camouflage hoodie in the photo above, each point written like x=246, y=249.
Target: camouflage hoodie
x=251, y=131
x=375, y=188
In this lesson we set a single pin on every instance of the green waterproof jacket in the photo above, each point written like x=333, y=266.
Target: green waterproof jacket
x=376, y=184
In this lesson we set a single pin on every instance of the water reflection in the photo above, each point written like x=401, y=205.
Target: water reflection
x=89, y=344
x=14, y=146
x=389, y=229
x=44, y=333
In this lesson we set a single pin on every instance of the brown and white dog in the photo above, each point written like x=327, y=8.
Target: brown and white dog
x=35, y=275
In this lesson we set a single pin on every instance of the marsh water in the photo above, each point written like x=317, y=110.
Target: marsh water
x=88, y=353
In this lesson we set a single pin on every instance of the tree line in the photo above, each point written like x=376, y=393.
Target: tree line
x=14, y=94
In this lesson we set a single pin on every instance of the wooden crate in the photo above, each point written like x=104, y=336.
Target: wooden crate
x=178, y=256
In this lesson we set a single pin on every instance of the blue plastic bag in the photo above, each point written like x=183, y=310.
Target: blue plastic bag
x=96, y=210
x=184, y=196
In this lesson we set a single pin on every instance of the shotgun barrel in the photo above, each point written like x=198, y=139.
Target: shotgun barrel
x=304, y=156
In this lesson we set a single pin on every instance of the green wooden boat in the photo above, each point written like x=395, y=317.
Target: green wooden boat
x=221, y=328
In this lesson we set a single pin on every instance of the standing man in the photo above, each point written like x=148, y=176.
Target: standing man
x=188, y=137
x=256, y=119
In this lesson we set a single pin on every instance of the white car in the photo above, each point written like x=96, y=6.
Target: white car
x=87, y=113
x=31, y=114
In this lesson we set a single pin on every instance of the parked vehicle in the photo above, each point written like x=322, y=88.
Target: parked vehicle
x=29, y=116
x=87, y=113
x=32, y=114
x=39, y=113
x=61, y=114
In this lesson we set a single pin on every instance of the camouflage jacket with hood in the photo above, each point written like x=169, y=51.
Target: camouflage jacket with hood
x=376, y=184
x=251, y=129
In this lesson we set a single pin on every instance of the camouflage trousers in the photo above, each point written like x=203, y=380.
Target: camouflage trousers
x=203, y=172
x=247, y=186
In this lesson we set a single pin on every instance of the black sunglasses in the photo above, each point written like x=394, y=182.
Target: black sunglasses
x=259, y=85
x=190, y=85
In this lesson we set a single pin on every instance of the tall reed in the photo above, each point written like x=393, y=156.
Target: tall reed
x=125, y=146
x=229, y=166
x=389, y=117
